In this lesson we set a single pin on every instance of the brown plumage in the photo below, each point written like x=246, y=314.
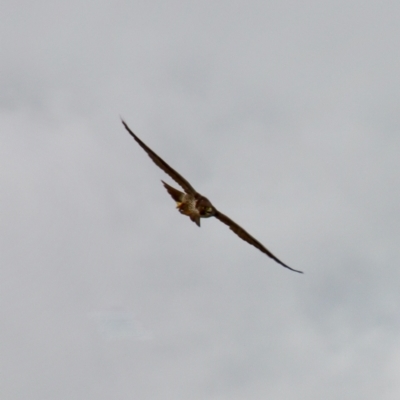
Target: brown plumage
x=196, y=206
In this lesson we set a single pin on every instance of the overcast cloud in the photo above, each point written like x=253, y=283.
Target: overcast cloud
x=285, y=114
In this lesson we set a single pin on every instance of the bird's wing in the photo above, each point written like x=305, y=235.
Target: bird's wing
x=249, y=239
x=187, y=187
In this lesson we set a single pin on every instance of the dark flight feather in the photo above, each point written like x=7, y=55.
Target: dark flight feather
x=186, y=186
x=249, y=239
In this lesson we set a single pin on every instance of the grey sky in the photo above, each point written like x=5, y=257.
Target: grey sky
x=285, y=114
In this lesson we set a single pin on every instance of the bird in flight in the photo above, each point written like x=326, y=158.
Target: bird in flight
x=195, y=205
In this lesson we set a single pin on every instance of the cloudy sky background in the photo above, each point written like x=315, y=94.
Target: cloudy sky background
x=285, y=114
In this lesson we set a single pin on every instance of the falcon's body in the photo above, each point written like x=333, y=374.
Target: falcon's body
x=196, y=206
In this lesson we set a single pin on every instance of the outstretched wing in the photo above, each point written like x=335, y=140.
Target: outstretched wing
x=249, y=239
x=187, y=187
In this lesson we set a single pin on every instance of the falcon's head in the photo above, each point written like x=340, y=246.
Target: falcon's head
x=205, y=208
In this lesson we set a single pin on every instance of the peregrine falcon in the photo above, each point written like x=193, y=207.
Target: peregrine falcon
x=195, y=205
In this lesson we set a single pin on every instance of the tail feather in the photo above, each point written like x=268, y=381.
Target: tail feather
x=196, y=220
x=175, y=193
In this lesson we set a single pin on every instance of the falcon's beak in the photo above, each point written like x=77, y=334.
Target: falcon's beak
x=178, y=204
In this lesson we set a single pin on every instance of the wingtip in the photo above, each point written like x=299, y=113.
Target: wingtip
x=129, y=130
x=124, y=123
x=292, y=269
x=296, y=270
